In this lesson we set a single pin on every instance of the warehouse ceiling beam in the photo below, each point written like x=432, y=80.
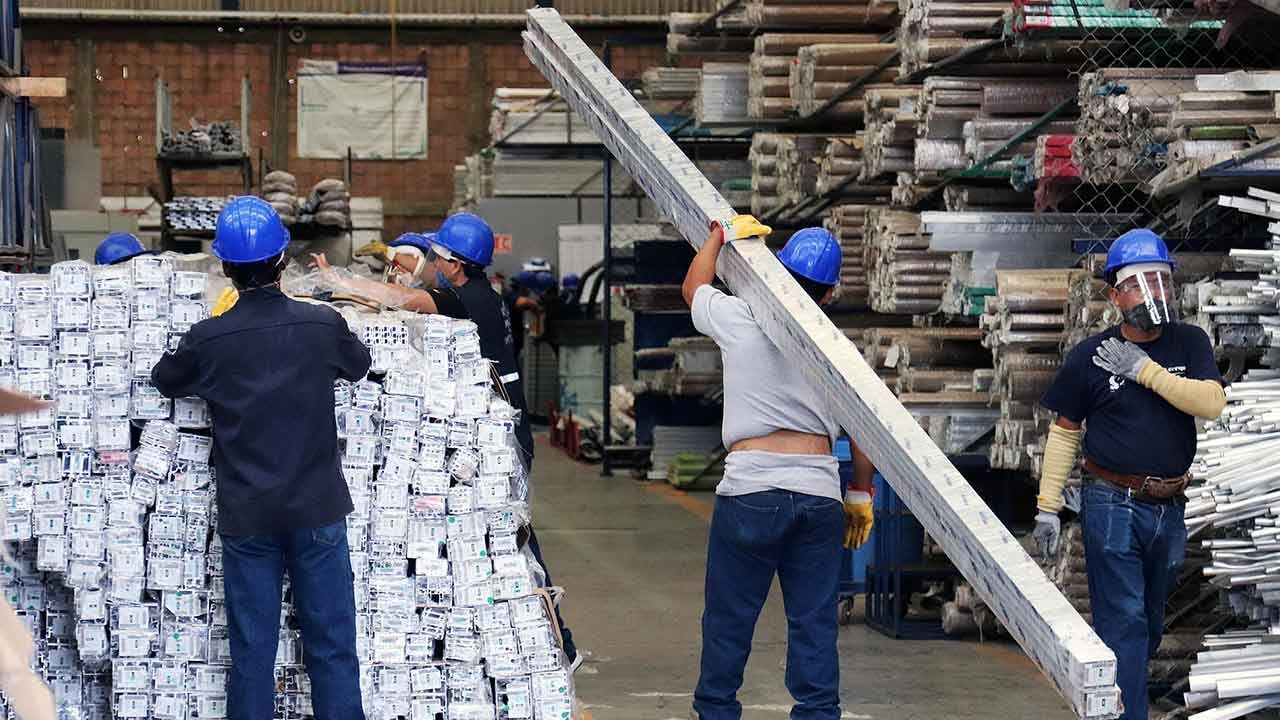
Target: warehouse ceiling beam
x=1047, y=627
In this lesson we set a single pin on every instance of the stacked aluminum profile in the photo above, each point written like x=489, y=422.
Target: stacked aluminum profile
x=1234, y=504
x=1036, y=614
x=118, y=565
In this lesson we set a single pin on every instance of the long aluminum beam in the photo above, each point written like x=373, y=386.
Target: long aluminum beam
x=1043, y=622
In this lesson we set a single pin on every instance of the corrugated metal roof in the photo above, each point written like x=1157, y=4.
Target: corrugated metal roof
x=478, y=7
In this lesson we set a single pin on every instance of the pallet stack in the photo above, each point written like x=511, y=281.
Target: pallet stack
x=1025, y=324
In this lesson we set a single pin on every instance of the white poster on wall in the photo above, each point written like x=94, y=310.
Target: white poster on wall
x=378, y=110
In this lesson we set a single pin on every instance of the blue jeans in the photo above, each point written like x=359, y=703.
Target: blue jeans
x=752, y=537
x=1133, y=551
x=319, y=566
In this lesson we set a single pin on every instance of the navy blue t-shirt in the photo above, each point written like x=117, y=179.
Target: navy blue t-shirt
x=1128, y=428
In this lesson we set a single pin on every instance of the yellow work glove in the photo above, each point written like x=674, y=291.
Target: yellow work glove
x=858, y=518
x=745, y=226
x=377, y=249
x=226, y=301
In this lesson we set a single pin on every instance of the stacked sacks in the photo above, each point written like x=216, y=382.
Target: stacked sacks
x=281, y=190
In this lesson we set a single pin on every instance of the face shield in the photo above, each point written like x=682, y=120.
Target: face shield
x=1148, y=296
x=405, y=265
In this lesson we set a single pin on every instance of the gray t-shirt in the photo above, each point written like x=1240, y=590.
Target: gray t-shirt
x=764, y=392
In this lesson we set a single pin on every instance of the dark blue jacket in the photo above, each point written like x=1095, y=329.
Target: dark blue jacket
x=267, y=367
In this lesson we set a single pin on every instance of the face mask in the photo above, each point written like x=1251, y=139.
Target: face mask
x=1140, y=317
x=497, y=287
x=442, y=281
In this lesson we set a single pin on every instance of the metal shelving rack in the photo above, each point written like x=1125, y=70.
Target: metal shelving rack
x=26, y=240
x=167, y=164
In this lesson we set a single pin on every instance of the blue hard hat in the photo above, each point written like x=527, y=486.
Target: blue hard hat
x=467, y=237
x=249, y=230
x=570, y=281
x=813, y=254
x=422, y=241
x=1137, y=246
x=116, y=248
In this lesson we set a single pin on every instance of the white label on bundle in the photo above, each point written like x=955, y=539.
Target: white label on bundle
x=34, y=323
x=189, y=284
x=72, y=374
x=211, y=707
x=71, y=313
x=34, y=357
x=111, y=435
x=134, y=644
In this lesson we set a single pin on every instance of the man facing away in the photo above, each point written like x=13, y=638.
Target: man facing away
x=778, y=508
x=267, y=368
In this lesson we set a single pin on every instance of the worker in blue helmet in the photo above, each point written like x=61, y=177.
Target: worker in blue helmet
x=118, y=247
x=458, y=253
x=1133, y=396
x=407, y=263
x=267, y=367
x=780, y=508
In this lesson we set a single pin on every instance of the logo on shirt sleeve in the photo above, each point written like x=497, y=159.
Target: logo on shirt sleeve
x=1115, y=382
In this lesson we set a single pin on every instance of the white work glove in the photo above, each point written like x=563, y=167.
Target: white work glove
x=1048, y=530
x=1120, y=357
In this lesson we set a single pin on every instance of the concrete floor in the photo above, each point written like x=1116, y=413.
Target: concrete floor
x=632, y=556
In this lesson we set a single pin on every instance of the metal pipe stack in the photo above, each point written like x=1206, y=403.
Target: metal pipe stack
x=847, y=222
x=904, y=277
x=892, y=122
x=797, y=166
x=840, y=166
x=1124, y=115
x=763, y=157
x=1025, y=323
x=1089, y=311
x=825, y=14
x=671, y=83
x=824, y=71
x=774, y=54
x=1213, y=126
x=721, y=45
x=536, y=116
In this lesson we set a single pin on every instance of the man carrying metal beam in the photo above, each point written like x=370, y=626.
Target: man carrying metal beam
x=1139, y=389
x=779, y=507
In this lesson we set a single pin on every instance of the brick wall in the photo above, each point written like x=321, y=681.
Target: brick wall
x=113, y=104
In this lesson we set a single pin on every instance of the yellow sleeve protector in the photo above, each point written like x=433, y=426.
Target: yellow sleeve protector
x=1201, y=398
x=1059, y=457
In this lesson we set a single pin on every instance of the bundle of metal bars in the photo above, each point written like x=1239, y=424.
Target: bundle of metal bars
x=1214, y=126
x=846, y=222
x=1124, y=120
x=1045, y=625
x=763, y=157
x=671, y=83
x=840, y=161
x=797, y=166
x=1053, y=157
x=821, y=72
x=536, y=116
x=1089, y=311
x=1025, y=323
x=891, y=122
x=820, y=14
x=722, y=94
x=981, y=198
x=942, y=376
x=773, y=57
x=904, y=277
x=985, y=114
x=724, y=46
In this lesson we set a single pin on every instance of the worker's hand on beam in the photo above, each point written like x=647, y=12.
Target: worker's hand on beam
x=746, y=226
x=320, y=262
x=858, y=518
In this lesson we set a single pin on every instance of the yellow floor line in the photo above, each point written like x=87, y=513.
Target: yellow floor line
x=698, y=507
